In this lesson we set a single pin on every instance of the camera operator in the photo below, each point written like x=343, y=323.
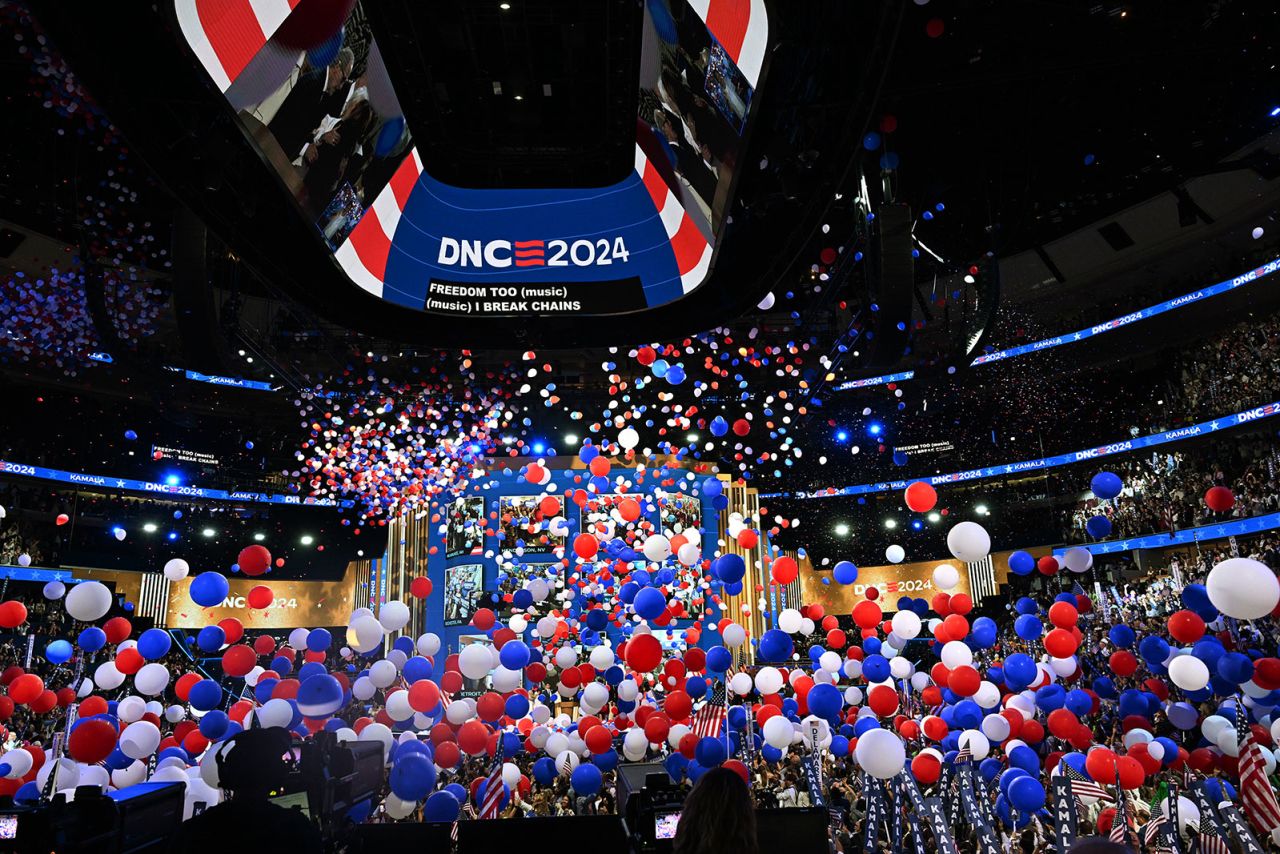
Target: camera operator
x=250, y=766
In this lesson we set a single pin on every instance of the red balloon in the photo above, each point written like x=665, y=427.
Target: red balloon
x=26, y=688
x=921, y=497
x=961, y=603
x=1130, y=771
x=678, y=706
x=1063, y=723
x=473, y=737
x=926, y=768
x=420, y=587
x=1266, y=673
x=935, y=728
x=1186, y=626
x=484, y=619
x=883, y=700
x=933, y=29
x=92, y=741
x=1219, y=499
x=867, y=614
x=1048, y=565
x=254, y=560
x=12, y=614
x=599, y=740
x=741, y=427
x=264, y=644
x=644, y=653
x=599, y=466
x=585, y=546
x=260, y=597
x=1063, y=615
x=785, y=570
x=490, y=706
x=233, y=629
x=44, y=703
x=1100, y=763
x=1061, y=643
x=129, y=661
x=117, y=629
x=62, y=519
x=1123, y=663
x=239, y=660
x=657, y=727
x=964, y=680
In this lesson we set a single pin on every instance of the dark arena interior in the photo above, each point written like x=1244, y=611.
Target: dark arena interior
x=683, y=426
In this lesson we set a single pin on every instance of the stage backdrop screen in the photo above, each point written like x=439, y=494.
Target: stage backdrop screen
x=297, y=604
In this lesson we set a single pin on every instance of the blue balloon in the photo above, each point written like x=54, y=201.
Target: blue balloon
x=675, y=764
x=825, y=700
x=775, y=645
x=59, y=651
x=441, y=806
x=875, y=668
x=1026, y=605
x=871, y=141
x=211, y=638
x=650, y=603
x=1106, y=484
x=839, y=746
x=1154, y=649
x=1098, y=527
x=320, y=696
x=719, y=659
x=1025, y=758
x=205, y=695
x=92, y=639
x=154, y=643
x=719, y=426
x=544, y=771
x=318, y=640
x=413, y=776
x=730, y=568
x=1026, y=794
x=1019, y=671
x=586, y=779
x=710, y=752
x=209, y=589
x=845, y=572
x=417, y=669
x=1122, y=636
x=214, y=724
x=1021, y=563
x=1028, y=627
x=711, y=487
x=514, y=655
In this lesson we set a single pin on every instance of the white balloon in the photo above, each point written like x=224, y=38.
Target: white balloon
x=365, y=634
x=978, y=744
x=383, y=673
x=741, y=684
x=151, y=679
x=969, y=542
x=1188, y=673
x=945, y=576
x=398, y=707
x=1078, y=559
x=429, y=644
x=899, y=667
x=895, y=553
x=275, y=712
x=475, y=661
x=54, y=590
x=829, y=661
x=363, y=688
x=176, y=569
x=394, y=616
x=880, y=753
x=956, y=654
x=20, y=761
x=566, y=657
x=778, y=732
x=1242, y=588
x=381, y=733
x=734, y=635
x=88, y=601
x=140, y=739
x=657, y=548
x=398, y=809
x=790, y=621
x=995, y=727
x=134, y=773
x=768, y=680
x=906, y=624
x=1212, y=725
x=131, y=709
x=628, y=438
x=602, y=658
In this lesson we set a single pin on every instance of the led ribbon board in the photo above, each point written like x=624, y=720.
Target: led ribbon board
x=416, y=242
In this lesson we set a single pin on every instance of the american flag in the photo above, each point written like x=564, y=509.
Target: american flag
x=493, y=787
x=1212, y=843
x=1120, y=823
x=708, y=720
x=1256, y=794
x=1082, y=786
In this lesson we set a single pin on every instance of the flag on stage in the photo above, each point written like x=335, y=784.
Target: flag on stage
x=1120, y=823
x=1256, y=794
x=1083, y=787
x=708, y=720
x=492, y=802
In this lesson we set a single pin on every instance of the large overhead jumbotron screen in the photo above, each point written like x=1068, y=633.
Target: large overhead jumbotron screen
x=329, y=122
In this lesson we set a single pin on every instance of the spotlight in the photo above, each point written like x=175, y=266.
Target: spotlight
x=539, y=447
x=259, y=537
x=842, y=436
x=916, y=524
x=1275, y=111
x=982, y=510
x=935, y=517
x=173, y=535
x=150, y=527
x=208, y=532
x=307, y=540
x=172, y=479
x=842, y=530
x=693, y=437
x=875, y=428
x=891, y=523
x=570, y=439
x=506, y=7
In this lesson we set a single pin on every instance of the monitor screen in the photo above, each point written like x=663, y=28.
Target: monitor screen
x=294, y=801
x=8, y=827
x=665, y=824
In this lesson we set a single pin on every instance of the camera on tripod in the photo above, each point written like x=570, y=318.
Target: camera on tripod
x=650, y=805
x=327, y=778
